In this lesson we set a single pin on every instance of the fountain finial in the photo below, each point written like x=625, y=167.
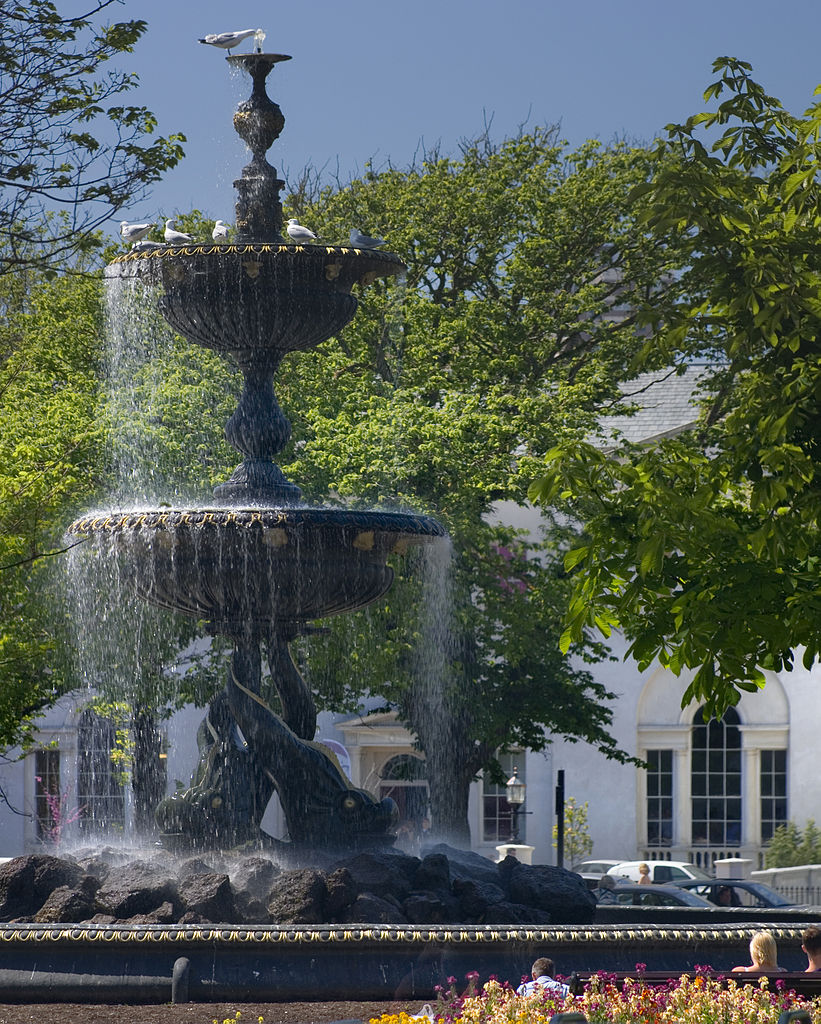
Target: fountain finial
x=258, y=121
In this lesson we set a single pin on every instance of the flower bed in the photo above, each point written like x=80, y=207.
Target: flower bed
x=698, y=999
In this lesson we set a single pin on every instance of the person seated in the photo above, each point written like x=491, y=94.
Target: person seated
x=811, y=944
x=605, y=890
x=542, y=971
x=644, y=875
x=763, y=953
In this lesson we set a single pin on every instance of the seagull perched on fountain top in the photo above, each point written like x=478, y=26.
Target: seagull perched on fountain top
x=228, y=40
x=174, y=237
x=298, y=232
x=134, y=232
x=220, y=232
x=364, y=241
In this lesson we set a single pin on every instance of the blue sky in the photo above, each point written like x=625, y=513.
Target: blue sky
x=372, y=79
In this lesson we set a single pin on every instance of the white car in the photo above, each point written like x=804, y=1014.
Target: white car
x=660, y=871
x=592, y=870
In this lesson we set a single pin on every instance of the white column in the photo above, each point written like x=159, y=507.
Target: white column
x=682, y=807
x=751, y=795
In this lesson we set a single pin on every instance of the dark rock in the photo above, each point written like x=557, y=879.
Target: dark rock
x=561, y=893
x=298, y=897
x=209, y=895
x=433, y=873
x=256, y=875
x=514, y=913
x=189, y=917
x=98, y=867
x=66, y=904
x=27, y=882
x=466, y=865
x=194, y=866
x=341, y=892
x=138, y=888
x=101, y=919
x=163, y=914
x=383, y=872
x=250, y=910
x=431, y=908
x=475, y=897
x=369, y=908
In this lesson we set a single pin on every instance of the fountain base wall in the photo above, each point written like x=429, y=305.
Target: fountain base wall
x=135, y=964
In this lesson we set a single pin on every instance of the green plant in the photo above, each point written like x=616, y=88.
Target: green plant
x=577, y=841
x=790, y=846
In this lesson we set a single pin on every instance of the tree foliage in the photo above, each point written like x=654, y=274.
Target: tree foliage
x=72, y=153
x=706, y=547
x=49, y=462
x=791, y=846
x=512, y=326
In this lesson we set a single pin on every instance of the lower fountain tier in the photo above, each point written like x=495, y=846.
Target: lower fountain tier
x=248, y=567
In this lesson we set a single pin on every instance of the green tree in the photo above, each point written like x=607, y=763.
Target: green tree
x=445, y=392
x=72, y=154
x=790, y=846
x=49, y=461
x=577, y=841
x=705, y=548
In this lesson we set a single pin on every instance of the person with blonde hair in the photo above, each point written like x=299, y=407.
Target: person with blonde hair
x=644, y=875
x=763, y=953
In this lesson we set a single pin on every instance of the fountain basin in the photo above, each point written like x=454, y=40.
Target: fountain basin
x=241, y=567
x=266, y=297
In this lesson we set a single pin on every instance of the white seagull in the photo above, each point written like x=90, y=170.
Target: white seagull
x=174, y=237
x=298, y=232
x=134, y=232
x=220, y=232
x=146, y=245
x=364, y=241
x=228, y=40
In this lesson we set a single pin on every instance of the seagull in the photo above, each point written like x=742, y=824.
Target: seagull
x=298, y=232
x=146, y=245
x=174, y=237
x=220, y=232
x=134, y=232
x=228, y=40
x=364, y=241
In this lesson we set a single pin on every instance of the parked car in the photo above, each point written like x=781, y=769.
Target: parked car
x=735, y=892
x=592, y=870
x=660, y=871
x=629, y=895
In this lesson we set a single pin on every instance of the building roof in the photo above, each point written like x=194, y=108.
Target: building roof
x=666, y=404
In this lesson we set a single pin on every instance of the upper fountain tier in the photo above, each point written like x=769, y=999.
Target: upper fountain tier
x=259, y=298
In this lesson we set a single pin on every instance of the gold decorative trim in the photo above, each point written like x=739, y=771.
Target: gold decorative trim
x=340, y=935
x=256, y=249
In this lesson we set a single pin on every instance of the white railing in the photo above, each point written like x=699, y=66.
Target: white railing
x=798, y=885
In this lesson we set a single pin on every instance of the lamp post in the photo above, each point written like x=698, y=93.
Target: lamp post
x=515, y=792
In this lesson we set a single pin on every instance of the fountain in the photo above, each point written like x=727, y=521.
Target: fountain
x=254, y=301
x=258, y=566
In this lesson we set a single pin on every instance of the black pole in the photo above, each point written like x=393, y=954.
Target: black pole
x=560, y=818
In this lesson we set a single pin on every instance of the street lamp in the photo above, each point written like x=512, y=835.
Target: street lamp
x=515, y=791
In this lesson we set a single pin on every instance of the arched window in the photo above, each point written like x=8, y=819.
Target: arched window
x=716, y=780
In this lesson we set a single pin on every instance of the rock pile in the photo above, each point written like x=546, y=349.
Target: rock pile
x=446, y=886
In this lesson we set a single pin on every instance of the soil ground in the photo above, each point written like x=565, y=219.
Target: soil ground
x=197, y=1013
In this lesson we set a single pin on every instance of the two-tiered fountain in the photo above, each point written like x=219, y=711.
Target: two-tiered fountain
x=258, y=565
